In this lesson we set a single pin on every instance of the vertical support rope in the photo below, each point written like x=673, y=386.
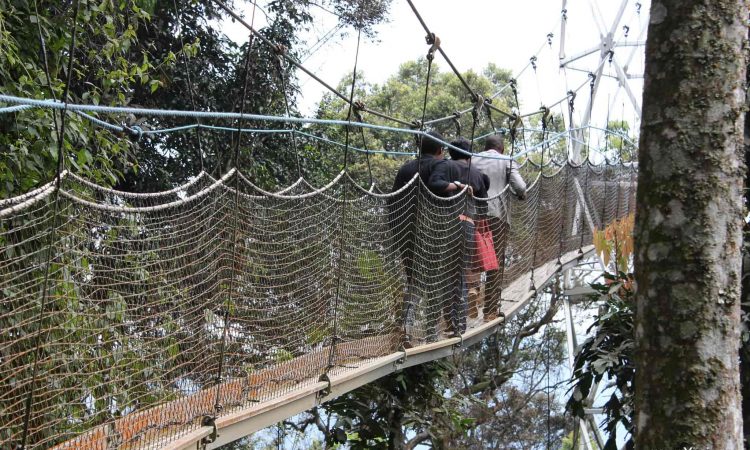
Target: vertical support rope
x=509, y=215
x=541, y=181
x=235, y=219
x=191, y=91
x=431, y=40
x=587, y=168
x=37, y=354
x=566, y=213
x=518, y=119
x=282, y=78
x=620, y=166
x=342, y=219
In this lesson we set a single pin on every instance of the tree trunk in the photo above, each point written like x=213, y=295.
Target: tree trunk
x=745, y=346
x=689, y=226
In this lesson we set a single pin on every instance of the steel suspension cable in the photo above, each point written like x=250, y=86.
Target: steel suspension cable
x=298, y=65
x=442, y=52
x=45, y=294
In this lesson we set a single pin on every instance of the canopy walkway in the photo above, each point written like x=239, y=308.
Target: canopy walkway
x=160, y=320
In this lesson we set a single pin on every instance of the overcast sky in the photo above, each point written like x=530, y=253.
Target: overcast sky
x=477, y=32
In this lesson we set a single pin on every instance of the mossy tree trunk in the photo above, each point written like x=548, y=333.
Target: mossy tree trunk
x=689, y=226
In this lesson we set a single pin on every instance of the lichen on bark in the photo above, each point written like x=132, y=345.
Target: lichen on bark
x=689, y=226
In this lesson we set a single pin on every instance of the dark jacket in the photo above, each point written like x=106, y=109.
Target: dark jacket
x=448, y=171
x=407, y=171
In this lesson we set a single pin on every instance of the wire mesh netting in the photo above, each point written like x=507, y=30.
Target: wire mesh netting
x=125, y=319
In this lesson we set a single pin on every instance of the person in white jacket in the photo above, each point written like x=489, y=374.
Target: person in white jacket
x=500, y=172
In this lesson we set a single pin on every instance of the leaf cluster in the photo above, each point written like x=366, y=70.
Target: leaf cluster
x=607, y=355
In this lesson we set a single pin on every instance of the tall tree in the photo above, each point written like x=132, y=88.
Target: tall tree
x=689, y=226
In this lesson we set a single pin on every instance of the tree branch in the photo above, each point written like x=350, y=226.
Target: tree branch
x=416, y=440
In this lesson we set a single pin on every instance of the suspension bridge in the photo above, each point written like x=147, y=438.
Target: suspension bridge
x=197, y=316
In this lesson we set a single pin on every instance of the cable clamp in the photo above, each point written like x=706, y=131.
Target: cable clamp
x=478, y=106
x=459, y=345
x=434, y=42
x=545, y=116
x=514, y=120
x=571, y=99
x=417, y=124
x=513, y=84
x=533, y=60
x=549, y=38
x=209, y=421
x=457, y=122
x=326, y=391
x=279, y=49
x=135, y=132
x=592, y=77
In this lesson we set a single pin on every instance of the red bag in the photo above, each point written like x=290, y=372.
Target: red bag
x=486, y=258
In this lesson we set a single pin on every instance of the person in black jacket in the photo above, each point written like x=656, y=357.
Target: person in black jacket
x=447, y=179
x=402, y=209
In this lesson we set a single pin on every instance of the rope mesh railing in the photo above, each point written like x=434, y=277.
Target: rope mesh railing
x=131, y=334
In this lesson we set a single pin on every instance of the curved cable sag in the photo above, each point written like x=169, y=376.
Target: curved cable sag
x=296, y=196
x=142, y=209
x=43, y=188
x=39, y=194
x=181, y=188
x=379, y=194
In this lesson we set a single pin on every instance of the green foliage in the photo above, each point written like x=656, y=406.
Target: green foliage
x=402, y=96
x=109, y=63
x=608, y=355
x=620, y=141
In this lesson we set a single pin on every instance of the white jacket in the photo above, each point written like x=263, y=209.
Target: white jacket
x=497, y=171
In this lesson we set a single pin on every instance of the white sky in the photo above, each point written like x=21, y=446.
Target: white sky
x=476, y=32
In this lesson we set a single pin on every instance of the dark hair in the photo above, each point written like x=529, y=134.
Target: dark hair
x=463, y=144
x=430, y=144
x=494, y=142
